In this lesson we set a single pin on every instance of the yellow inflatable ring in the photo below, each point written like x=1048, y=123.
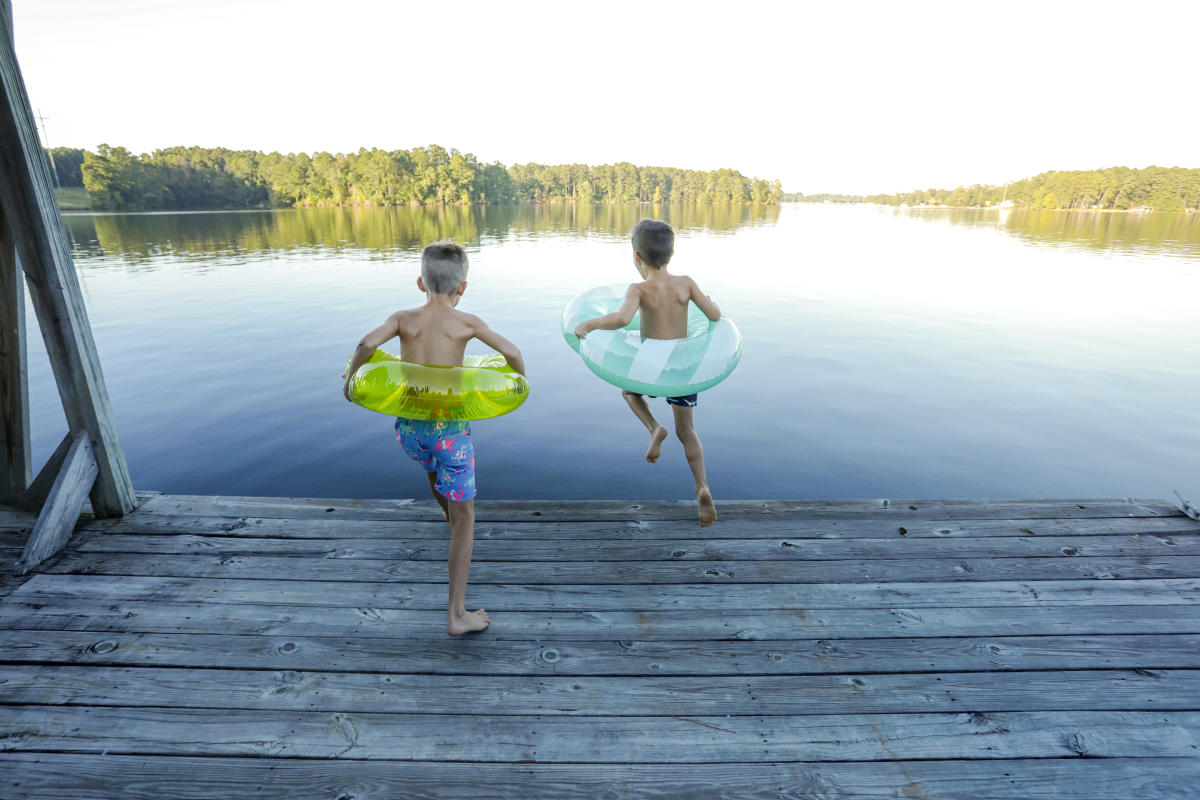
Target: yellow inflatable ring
x=483, y=387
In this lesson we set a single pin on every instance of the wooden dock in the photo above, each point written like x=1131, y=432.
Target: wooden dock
x=217, y=647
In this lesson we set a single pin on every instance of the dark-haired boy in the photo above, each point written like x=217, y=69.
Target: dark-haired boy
x=437, y=333
x=662, y=300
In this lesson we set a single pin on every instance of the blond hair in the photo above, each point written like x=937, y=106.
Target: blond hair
x=444, y=266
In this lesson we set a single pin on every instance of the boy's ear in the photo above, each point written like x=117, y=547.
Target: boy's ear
x=462, y=287
x=421, y=284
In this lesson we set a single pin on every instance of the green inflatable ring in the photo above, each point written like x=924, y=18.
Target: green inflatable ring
x=483, y=387
x=660, y=367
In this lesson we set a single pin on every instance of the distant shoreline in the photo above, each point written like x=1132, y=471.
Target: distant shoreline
x=995, y=208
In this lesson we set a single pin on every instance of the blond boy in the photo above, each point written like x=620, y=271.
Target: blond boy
x=437, y=333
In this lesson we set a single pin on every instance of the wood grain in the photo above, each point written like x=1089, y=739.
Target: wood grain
x=551, y=739
x=67, y=495
x=635, y=572
x=16, y=460
x=775, y=625
x=652, y=549
x=1091, y=690
x=33, y=217
x=597, y=510
x=551, y=655
x=998, y=652
x=80, y=776
x=780, y=527
x=605, y=597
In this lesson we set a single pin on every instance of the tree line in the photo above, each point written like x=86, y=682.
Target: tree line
x=1115, y=188
x=216, y=177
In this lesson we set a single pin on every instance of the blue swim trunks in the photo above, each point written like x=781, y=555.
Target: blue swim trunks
x=443, y=447
x=684, y=401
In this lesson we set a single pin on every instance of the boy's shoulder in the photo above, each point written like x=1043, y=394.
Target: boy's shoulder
x=415, y=314
x=673, y=278
x=405, y=317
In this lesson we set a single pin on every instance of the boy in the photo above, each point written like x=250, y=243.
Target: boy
x=437, y=333
x=662, y=299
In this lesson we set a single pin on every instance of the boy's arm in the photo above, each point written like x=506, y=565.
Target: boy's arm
x=618, y=319
x=366, y=346
x=704, y=302
x=511, y=353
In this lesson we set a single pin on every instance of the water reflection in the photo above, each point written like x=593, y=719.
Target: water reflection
x=1177, y=234
x=142, y=238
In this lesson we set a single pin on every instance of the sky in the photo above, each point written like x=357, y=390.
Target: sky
x=850, y=97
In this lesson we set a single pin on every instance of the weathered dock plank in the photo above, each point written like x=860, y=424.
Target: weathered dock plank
x=605, y=597
x=552, y=656
x=80, y=776
x=594, y=510
x=780, y=624
x=781, y=526
x=1095, y=690
x=651, y=549
x=632, y=572
x=553, y=739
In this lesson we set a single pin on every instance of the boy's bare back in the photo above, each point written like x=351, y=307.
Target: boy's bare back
x=435, y=334
x=663, y=300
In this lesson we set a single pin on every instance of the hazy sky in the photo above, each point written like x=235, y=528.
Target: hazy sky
x=831, y=96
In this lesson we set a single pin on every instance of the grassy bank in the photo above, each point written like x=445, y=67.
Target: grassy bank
x=73, y=198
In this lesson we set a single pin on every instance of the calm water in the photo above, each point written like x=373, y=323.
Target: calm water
x=888, y=353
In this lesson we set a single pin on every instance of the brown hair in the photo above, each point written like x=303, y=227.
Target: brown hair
x=654, y=241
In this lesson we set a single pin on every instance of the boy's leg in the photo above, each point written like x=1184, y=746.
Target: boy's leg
x=454, y=455
x=641, y=410
x=462, y=541
x=442, y=501
x=686, y=431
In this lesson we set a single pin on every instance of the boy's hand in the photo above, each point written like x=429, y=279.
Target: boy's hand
x=583, y=329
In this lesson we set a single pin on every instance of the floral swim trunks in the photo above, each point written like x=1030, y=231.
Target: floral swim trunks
x=443, y=447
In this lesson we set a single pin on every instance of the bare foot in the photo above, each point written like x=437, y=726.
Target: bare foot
x=708, y=511
x=656, y=440
x=470, y=622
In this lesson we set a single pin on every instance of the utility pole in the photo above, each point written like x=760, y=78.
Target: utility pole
x=46, y=146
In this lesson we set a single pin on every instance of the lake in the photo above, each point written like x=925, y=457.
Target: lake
x=888, y=352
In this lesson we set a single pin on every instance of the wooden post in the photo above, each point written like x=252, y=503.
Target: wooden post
x=34, y=497
x=57, y=520
x=15, y=459
x=32, y=213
